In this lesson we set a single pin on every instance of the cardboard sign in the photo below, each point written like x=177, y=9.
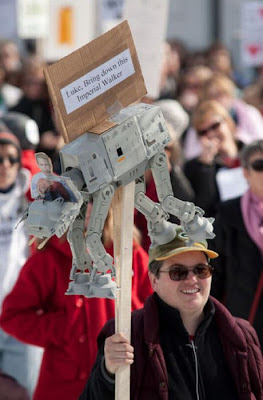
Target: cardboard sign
x=95, y=82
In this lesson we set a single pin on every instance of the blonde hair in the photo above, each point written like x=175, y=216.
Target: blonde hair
x=218, y=83
x=209, y=108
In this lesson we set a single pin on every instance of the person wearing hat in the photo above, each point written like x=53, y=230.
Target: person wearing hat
x=185, y=345
x=16, y=359
x=26, y=131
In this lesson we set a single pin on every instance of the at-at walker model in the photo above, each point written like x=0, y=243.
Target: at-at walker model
x=95, y=166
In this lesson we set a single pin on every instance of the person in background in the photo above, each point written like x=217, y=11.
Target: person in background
x=11, y=61
x=36, y=104
x=17, y=359
x=184, y=343
x=190, y=84
x=215, y=173
x=26, y=130
x=170, y=68
x=248, y=120
x=66, y=326
x=9, y=94
x=238, y=279
x=219, y=59
x=253, y=94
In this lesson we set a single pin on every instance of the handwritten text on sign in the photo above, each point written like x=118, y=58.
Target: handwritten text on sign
x=97, y=81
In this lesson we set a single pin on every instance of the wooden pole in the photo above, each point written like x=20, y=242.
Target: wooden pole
x=123, y=216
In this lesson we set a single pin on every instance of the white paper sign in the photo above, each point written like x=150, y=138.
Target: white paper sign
x=33, y=18
x=97, y=81
x=72, y=24
x=231, y=183
x=252, y=33
x=148, y=23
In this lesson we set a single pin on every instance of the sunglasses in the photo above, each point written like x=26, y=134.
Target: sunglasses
x=212, y=127
x=257, y=165
x=180, y=272
x=11, y=159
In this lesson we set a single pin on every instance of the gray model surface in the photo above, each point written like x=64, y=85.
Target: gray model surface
x=95, y=166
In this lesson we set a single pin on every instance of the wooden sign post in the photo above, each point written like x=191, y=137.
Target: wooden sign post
x=123, y=216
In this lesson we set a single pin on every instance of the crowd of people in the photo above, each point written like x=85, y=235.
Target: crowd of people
x=197, y=326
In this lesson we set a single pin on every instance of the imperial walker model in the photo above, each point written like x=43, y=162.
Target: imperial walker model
x=95, y=166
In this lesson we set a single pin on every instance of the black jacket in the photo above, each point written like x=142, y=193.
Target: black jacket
x=202, y=178
x=239, y=265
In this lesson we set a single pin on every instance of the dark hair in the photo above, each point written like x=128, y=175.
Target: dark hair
x=249, y=150
x=155, y=266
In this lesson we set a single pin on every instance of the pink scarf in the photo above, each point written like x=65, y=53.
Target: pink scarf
x=252, y=211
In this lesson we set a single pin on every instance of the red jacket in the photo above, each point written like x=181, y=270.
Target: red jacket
x=38, y=312
x=28, y=161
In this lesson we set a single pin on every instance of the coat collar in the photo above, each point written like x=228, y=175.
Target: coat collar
x=226, y=323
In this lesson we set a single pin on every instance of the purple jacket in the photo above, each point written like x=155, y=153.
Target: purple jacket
x=149, y=378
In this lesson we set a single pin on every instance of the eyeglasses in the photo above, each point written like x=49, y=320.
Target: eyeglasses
x=13, y=160
x=212, y=127
x=180, y=272
x=257, y=165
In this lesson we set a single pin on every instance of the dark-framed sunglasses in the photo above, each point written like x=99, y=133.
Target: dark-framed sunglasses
x=180, y=272
x=212, y=127
x=13, y=160
x=257, y=165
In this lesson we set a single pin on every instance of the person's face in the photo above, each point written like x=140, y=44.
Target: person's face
x=220, y=61
x=9, y=165
x=189, y=295
x=216, y=129
x=34, y=86
x=44, y=165
x=9, y=57
x=254, y=177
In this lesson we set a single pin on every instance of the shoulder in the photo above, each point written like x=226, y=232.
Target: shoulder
x=248, y=331
x=236, y=330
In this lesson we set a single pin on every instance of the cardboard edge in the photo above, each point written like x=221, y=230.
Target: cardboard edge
x=57, y=112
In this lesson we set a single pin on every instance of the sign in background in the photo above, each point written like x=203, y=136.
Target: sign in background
x=148, y=23
x=252, y=33
x=72, y=24
x=33, y=19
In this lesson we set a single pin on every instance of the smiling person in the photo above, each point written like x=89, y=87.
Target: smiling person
x=184, y=343
x=238, y=279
